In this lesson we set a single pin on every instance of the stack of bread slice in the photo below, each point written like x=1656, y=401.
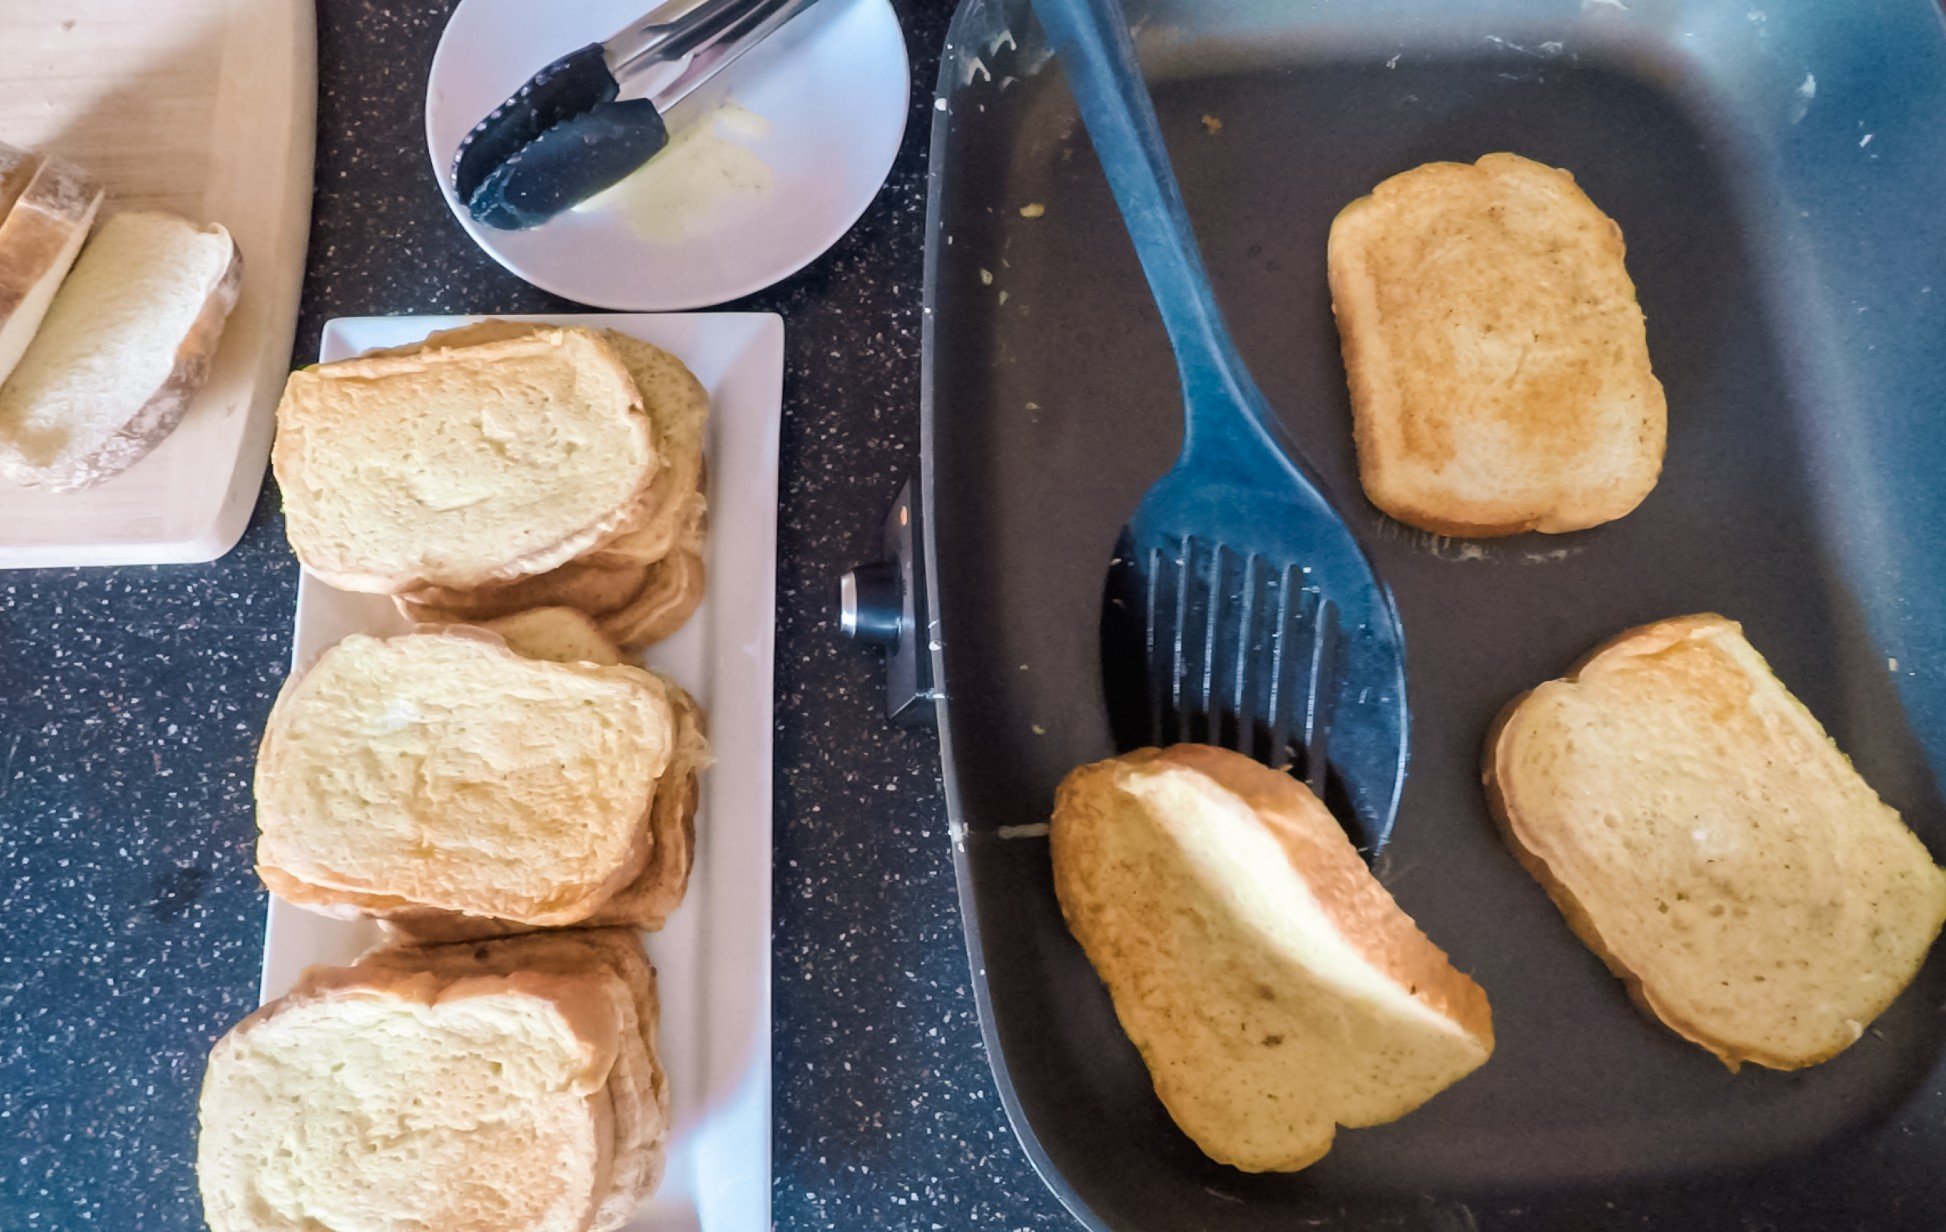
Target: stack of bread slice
x=502, y=467
x=507, y=1086
x=454, y=788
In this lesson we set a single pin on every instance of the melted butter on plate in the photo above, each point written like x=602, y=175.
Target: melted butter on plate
x=679, y=193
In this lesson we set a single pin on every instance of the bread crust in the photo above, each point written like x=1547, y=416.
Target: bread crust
x=1386, y=421
x=1505, y=805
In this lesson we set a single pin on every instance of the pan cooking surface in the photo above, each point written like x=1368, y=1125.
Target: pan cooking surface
x=1054, y=404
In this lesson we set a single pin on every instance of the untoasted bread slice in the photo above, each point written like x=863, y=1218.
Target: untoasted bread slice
x=128, y=340
x=646, y=903
x=1272, y=986
x=637, y=1084
x=563, y=634
x=443, y=772
x=1499, y=368
x=1705, y=837
x=407, y=1098
x=462, y=466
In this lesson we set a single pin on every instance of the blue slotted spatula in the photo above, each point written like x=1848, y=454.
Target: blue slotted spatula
x=1239, y=609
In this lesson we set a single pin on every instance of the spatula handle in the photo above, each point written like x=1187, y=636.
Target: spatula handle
x=1092, y=39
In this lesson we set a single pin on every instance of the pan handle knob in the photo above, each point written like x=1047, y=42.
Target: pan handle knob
x=871, y=604
x=883, y=604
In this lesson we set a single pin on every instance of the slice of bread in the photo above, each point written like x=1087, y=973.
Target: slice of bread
x=46, y=209
x=594, y=589
x=1499, y=368
x=421, y=1092
x=670, y=595
x=1272, y=986
x=646, y=903
x=563, y=634
x=1704, y=836
x=126, y=344
x=678, y=410
x=463, y=466
x=638, y=1084
x=444, y=772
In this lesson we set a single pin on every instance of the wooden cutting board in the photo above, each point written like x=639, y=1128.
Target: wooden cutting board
x=207, y=108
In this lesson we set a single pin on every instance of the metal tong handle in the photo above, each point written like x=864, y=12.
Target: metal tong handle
x=678, y=46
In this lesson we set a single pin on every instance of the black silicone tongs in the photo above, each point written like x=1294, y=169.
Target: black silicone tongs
x=567, y=133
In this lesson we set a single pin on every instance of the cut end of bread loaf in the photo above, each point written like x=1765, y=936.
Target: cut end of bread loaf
x=46, y=209
x=1497, y=357
x=442, y=771
x=462, y=466
x=125, y=346
x=1273, y=987
x=1706, y=838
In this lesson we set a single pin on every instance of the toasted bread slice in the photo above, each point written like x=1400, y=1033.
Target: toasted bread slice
x=406, y=1098
x=443, y=772
x=1704, y=836
x=1499, y=367
x=669, y=596
x=1272, y=986
x=678, y=410
x=128, y=340
x=464, y=466
x=594, y=589
x=638, y=1085
x=644, y=904
x=563, y=634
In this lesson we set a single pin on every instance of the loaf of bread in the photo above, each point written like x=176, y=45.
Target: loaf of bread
x=1498, y=362
x=507, y=1087
x=1271, y=984
x=127, y=341
x=46, y=209
x=441, y=773
x=1704, y=836
x=462, y=467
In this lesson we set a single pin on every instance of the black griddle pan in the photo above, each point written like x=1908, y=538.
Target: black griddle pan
x=1778, y=168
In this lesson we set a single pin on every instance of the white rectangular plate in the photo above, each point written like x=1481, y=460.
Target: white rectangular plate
x=713, y=959
x=203, y=107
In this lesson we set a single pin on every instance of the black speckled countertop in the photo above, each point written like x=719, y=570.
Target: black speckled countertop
x=130, y=701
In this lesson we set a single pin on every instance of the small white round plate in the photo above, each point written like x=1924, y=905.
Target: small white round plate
x=768, y=165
